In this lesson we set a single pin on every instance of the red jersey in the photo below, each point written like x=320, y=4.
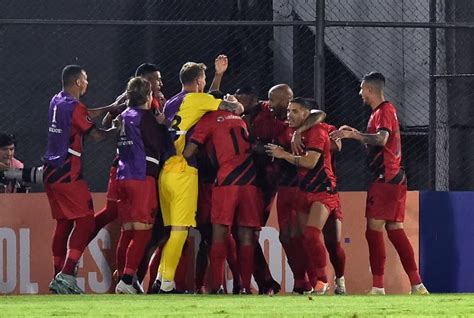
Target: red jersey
x=385, y=161
x=288, y=173
x=263, y=125
x=71, y=170
x=321, y=178
x=229, y=136
x=330, y=129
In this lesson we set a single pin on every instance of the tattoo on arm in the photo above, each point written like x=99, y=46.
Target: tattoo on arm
x=378, y=139
x=229, y=106
x=314, y=118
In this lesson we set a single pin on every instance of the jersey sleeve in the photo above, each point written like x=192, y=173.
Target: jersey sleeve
x=202, y=131
x=316, y=139
x=383, y=119
x=80, y=118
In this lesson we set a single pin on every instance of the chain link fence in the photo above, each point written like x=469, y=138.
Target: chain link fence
x=428, y=68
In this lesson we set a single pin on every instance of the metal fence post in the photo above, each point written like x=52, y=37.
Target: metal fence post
x=319, y=52
x=432, y=100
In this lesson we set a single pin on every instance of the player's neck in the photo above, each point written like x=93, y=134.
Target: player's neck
x=190, y=88
x=71, y=91
x=377, y=101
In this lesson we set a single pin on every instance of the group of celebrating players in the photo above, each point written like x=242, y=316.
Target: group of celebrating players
x=219, y=162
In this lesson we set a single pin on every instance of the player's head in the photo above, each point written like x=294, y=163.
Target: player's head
x=371, y=87
x=217, y=94
x=139, y=92
x=247, y=96
x=7, y=148
x=279, y=97
x=151, y=73
x=299, y=109
x=193, y=76
x=75, y=77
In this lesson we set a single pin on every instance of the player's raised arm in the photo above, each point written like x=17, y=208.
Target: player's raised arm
x=221, y=63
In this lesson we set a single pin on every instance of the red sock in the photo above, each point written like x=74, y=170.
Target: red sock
x=376, y=256
x=404, y=249
x=217, y=255
x=121, y=253
x=135, y=251
x=153, y=267
x=182, y=270
x=296, y=260
x=78, y=241
x=316, y=253
x=59, y=243
x=108, y=214
x=246, y=264
x=337, y=256
x=232, y=258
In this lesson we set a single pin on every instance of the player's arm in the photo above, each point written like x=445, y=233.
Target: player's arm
x=190, y=150
x=316, y=117
x=346, y=132
x=335, y=146
x=202, y=132
x=100, y=111
x=308, y=161
x=231, y=104
x=221, y=63
x=99, y=134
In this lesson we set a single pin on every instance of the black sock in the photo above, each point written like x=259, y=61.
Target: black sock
x=127, y=279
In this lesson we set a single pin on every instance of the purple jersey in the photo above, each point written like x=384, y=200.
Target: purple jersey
x=60, y=114
x=139, y=145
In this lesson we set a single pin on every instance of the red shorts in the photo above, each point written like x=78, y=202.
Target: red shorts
x=112, y=187
x=329, y=200
x=70, y=200
x=203, y=215
x=287, y=206
x=386, y=201
x=137, y=200
x=240, y=204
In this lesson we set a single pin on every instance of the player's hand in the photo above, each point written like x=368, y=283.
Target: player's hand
x=342, y=134
x=4, y=167
x=161, y=97
x=274, y=151
x=116, y=123
x=160, y=118
x=349, y=128
x=297, y=145
x=221, y=63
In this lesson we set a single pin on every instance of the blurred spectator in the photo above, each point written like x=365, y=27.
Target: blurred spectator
x=8, y=161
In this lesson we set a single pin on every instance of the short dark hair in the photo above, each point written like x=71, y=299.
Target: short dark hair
x=376, y=79
x=70, y=74
x=138, y=90
x=308, y=103
x=146, y=68
x=246, y=90
x=217, y=94
x=6, y=139
x=190, y=71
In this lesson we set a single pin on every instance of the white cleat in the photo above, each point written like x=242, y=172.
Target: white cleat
x=123, y=288
x=376, y=291
x=340, y=286
x=419, y=289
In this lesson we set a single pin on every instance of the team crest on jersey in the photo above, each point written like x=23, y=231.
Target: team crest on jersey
x=220, y=119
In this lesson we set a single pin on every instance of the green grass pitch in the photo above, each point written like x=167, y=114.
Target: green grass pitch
x=443, y=305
